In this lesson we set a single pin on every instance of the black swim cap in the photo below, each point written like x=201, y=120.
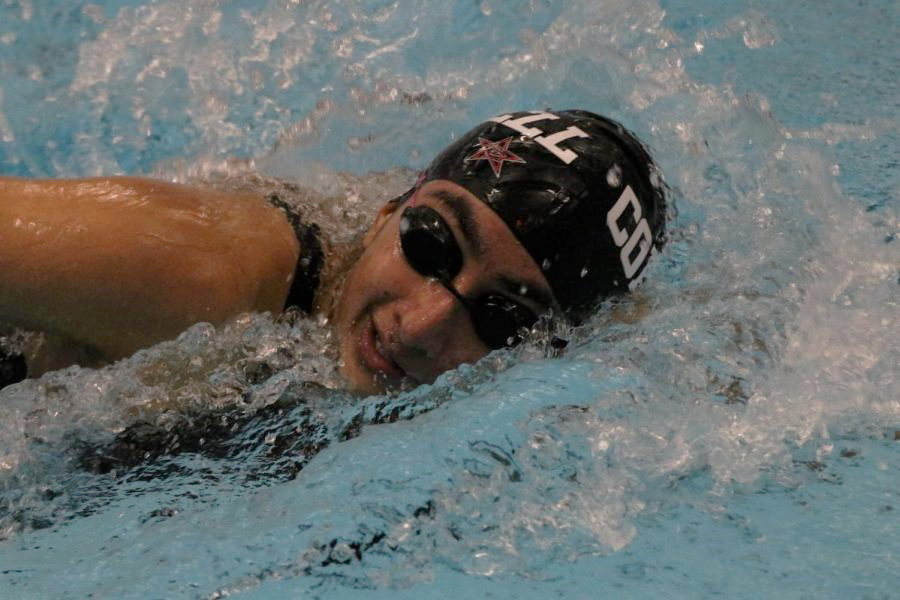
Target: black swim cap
x=578, y=191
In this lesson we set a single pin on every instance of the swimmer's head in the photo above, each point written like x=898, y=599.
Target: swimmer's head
x=525, y=214
x=578, y=191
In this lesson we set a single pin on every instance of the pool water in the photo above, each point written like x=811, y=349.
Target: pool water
x=729, y=431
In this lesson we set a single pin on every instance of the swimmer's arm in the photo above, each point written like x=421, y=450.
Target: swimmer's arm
x=118, y=264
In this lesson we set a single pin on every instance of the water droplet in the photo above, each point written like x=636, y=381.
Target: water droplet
x=584, y=272
x=546, y=264
x=523, y=290
x=614, y=176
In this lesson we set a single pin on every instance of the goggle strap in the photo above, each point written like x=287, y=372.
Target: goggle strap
x=462, y=299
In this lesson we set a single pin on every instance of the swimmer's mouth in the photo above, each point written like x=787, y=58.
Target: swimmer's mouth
x=377, y=358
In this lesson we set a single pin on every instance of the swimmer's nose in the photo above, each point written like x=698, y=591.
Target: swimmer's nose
x=430, y=320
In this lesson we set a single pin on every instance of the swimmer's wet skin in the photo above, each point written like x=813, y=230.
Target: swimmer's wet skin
x=118, y=264
x=527, y=213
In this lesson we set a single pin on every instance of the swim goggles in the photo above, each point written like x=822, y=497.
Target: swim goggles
x=431, y=250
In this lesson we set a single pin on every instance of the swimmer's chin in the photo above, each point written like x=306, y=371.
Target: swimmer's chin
x=379, y=384
x=363, y=381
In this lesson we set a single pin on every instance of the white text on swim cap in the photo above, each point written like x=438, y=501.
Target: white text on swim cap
x=550, y=142
x=641, y=236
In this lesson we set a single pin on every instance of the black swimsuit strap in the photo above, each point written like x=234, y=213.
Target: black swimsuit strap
x=12, y=368
x=309, y=265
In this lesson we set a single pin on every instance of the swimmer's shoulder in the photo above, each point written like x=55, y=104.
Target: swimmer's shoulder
x=277, y=248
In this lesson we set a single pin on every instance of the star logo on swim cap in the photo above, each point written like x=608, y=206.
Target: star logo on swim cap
x=495, y=153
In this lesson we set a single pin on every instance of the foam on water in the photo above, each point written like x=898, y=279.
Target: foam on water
x=757, y=358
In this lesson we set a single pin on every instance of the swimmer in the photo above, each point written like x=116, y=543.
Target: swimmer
x=528, y=213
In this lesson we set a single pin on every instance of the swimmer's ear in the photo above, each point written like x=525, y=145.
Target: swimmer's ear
x=383, y=217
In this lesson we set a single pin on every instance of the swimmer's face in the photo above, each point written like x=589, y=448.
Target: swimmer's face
x=396, y=325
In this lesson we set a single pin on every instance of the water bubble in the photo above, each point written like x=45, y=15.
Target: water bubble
x=760, y=34
x=27, y=10
x=546, y=264
x=342, y=553
x=614, y=176
x=584, y=272
x=94, y=13
x=655, y=179
x=523, y=290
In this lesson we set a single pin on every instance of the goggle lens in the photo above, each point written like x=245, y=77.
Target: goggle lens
x=428, y=244
x=431, y=250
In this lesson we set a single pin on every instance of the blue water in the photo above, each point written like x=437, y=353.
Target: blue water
x=730, y=432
